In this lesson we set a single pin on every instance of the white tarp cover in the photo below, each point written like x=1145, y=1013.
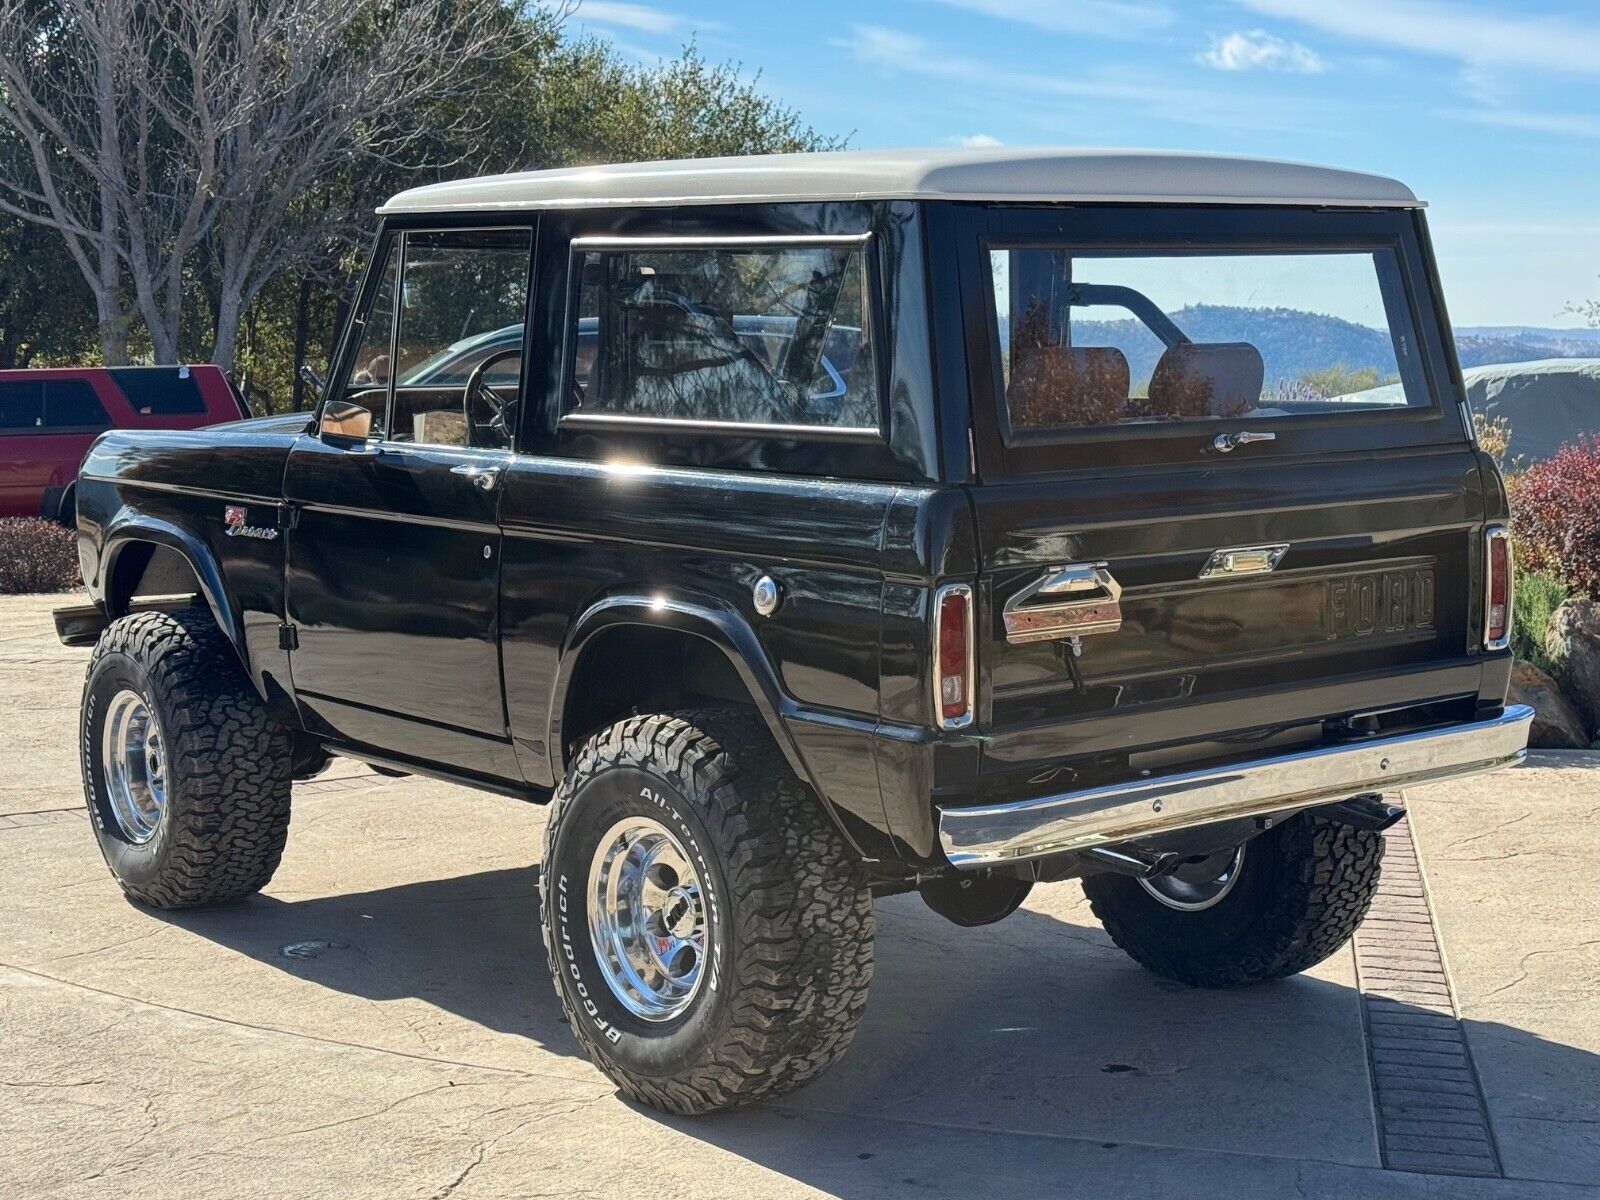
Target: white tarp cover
x=1548, y=402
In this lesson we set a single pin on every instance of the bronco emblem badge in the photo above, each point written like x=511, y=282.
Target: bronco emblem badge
x=236, y=518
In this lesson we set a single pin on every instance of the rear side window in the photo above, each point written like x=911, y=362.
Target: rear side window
x=758, y=334
x=160, y=391
x=1104, y=338
x=72, y=404
x=21, y=406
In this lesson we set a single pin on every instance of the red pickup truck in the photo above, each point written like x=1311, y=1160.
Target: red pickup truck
x=50, y=417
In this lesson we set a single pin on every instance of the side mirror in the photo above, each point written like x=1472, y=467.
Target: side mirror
x=341, y=419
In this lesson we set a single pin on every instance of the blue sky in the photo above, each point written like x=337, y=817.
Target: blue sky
x=1491, y=112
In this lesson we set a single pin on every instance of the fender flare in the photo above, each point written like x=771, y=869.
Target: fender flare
x=124, y=531
x=697, y=616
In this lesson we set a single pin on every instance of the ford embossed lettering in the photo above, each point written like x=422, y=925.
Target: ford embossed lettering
x=776, y=619
x=1384, y=602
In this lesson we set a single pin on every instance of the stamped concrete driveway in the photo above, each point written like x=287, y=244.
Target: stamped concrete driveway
x=379, y=1023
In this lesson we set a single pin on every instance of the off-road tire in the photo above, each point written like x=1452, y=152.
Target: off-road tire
x=1303, y=889
x=227, y=812
x=789, y=930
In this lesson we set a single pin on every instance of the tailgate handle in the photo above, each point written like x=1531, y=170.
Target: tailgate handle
x=1244, y=560
x=1067, y=602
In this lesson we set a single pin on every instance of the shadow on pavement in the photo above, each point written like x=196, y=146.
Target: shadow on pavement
x=1036, y=1026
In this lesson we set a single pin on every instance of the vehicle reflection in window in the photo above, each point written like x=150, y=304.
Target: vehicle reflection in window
x=760, y=336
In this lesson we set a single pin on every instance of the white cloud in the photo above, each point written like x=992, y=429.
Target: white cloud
x=1258, y=50
x=977, y=141
x=628, y=16
x=1468, y=33
x=1144, y=93
x=1102, y=18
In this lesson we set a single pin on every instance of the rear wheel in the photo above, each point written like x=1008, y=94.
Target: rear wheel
x=185, y=775
x=1273, y=907
x=708, y=930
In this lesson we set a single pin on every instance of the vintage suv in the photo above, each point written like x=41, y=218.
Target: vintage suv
x=827, y=527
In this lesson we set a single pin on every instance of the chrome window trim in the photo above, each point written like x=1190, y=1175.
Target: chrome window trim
x=718, y=241
x=963, y=590
x=1491, y=535
x=630, y=421
x=837, y=433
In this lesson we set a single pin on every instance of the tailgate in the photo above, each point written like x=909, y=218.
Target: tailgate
x=1367, y=604
x=1225, y=449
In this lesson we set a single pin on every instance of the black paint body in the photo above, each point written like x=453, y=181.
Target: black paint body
x=478, y=635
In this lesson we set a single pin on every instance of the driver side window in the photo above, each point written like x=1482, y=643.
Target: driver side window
x=458, y=348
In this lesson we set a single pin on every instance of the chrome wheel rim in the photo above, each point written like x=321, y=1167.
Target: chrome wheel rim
x=1200, y=884
x=134, y=759
x=647, y=919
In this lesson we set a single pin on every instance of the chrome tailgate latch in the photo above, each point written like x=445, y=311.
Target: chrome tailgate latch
x=1067, y=602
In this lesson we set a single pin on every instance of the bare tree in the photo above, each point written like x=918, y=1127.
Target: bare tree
x=148, y=132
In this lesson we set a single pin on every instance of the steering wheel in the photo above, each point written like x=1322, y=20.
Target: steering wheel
x=476, y=389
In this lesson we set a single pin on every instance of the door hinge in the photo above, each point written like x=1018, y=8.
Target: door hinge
x=288, y=637
x=288, y=516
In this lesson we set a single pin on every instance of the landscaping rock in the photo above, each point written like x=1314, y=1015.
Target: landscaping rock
x=1572, y=639
x=1557, y=725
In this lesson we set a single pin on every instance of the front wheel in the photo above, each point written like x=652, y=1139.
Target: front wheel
x=185, y=774
x=1273, y=907
x=708, y=930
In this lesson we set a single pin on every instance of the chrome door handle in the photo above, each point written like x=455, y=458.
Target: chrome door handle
x=484, y=477
x=1224, y=442
x=1067, y=602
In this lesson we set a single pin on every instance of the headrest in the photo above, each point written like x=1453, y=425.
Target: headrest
x=1206, y=379
x=1052, y=386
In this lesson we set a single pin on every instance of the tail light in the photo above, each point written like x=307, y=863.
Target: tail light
x=1497, y=598
x=952, y=655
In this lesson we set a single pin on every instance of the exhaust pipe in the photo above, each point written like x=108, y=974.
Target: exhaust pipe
x=1368, y=811
x=1141, y=864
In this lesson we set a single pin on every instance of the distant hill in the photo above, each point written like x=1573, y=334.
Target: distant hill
x=1291, y=342
x=1294, y=342
x=1479, y=345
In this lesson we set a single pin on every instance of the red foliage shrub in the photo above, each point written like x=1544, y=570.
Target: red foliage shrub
x=37, y=555
x=1555, y=508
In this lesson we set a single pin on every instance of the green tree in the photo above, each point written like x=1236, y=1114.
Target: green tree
x=47, y=315
x=557, y=101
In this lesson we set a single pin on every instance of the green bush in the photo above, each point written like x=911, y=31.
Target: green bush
x=1538, y=595
x=37, y=555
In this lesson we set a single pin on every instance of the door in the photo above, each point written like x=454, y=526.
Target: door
x=394, y=547
x=1227, y=493
x=23, y=446
x=47, y=423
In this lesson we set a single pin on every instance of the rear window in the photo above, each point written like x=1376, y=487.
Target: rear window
x=72, y=404
x=763, y=335
x=160, y=391
x=1103, y=338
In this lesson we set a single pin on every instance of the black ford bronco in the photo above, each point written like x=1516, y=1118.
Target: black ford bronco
x=808, y=529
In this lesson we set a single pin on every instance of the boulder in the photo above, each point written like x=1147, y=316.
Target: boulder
x=1557, y=725
x=1572, y=640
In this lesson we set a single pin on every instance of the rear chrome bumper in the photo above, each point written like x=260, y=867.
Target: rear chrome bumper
x=1027, y=829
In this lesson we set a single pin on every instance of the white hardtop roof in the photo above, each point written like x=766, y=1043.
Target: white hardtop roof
x=1003, y=174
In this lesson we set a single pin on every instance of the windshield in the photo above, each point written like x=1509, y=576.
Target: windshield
x=1110, y=338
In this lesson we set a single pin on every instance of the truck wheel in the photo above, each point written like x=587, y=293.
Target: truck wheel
x=708, y=930
x=1279, y=904
x=185, y=775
